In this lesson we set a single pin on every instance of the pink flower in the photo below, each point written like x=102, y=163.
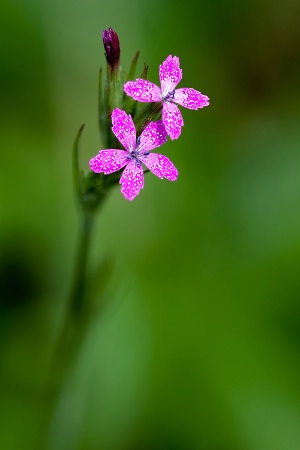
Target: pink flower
x=170, y=75
x=136, y=153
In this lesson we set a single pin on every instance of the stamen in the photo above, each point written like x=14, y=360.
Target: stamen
x=169, y=97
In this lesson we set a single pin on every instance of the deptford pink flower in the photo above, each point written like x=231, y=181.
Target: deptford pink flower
x=170, y=75
x=136, y=153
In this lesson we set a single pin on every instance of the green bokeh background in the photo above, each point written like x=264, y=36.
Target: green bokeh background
x=197, y=347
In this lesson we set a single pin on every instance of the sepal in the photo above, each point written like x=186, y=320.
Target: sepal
x=130, y=104
x=88, y=187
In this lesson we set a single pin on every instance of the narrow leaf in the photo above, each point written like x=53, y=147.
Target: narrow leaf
x=77, y=178
x=132, y=69
x=144, y=75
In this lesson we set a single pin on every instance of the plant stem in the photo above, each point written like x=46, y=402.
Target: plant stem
x=76, y=313
x=75, y=323
x=77, y=309
x=78, y=290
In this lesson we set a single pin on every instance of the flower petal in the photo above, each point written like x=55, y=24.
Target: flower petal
x=170, y=74
x=143, y=90
x=172, y=120
x=190, y=98
x=153, y=136
x=161, y=166
x=132, y=180
x=109, y=161
x=123, y=128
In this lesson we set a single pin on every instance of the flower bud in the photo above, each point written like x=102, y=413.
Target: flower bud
x=111, y=46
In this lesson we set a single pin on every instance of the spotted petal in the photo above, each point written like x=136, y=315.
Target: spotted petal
x=109, y=161
x=153, y=136
x=170, y=74
x=172, y=120
x=123, y=128
x=190, y=98
x=132, y=180
x=161, y=166
x=143, y=90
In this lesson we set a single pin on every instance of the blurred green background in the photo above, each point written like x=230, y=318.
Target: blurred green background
x=198, y=345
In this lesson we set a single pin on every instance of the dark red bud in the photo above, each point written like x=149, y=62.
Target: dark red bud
x=111, y=46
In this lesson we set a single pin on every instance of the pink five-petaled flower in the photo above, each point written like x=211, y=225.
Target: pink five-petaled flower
x=136, y=153
x=170, y=75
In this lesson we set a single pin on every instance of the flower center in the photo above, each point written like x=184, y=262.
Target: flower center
x=134, y=154
x=169, y=97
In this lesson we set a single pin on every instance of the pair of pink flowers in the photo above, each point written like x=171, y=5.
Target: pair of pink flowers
x=137, y=151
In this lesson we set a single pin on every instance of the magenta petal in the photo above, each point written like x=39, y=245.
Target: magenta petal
x=123, y=128
x=172, y=120
x=109, y=161
x=142, y=90
x=170, y=74
x=190, y=98
x=132, y=180
x=161, y=166
x=153, y=136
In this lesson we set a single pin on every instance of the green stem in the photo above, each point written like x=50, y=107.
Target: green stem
x=75, y=322
x=79, y=286
x=77, y=309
